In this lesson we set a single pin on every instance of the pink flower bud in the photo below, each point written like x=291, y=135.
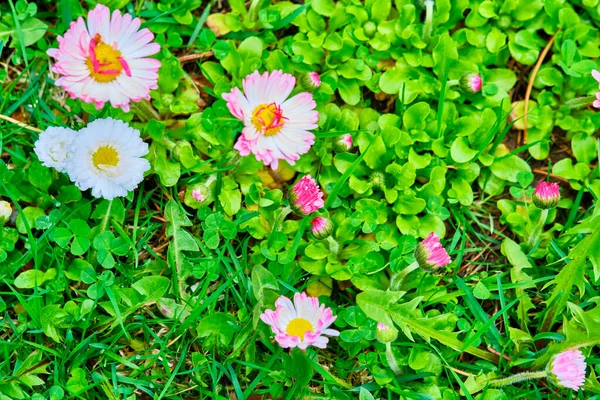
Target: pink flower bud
x=546, y=195
x=430, y=253
x=471, y=82
x=567, y=369
x=310, y=81
x=343, y=143
x=306, y=197
x=321, y=227
x=386, y=334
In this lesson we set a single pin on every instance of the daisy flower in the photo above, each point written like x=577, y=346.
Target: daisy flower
x=274, y=128
x=546, y=195
x=107, y=60
x=52, y=147
x=107, y=156
x=306, y=197
x=430, y=253
x=301, y=323
x=568, y=369
x=321, y=227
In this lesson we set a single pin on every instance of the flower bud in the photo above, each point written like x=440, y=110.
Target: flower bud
x=342, y=143
x=546, y=195
x=310, y=81
x=567, y=369
x=370, y=28
x=430, y=254
x=321, y=227
x=5, y=212
x=199, y=193
x=471, y=82
x=386, y=334
x=378, y=180
x=179, y=147
x=305, y=197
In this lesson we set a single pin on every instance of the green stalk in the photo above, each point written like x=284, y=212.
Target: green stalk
x=399, y=277
x=279, y=222
x=334, y=246
x=389, y=356
x=427, y=28
x=580, y=101
x=511, y=380
x=537, y=230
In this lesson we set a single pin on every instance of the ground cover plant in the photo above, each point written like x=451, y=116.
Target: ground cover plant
x=285, y=200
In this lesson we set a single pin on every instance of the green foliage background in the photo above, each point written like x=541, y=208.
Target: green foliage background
x=158, y=296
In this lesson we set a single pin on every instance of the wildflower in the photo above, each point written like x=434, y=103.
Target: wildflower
x=567, y=369
x=430, y=254
x=275, y=128
x=546, y=195
x=386, y=334
x=107, y=60
x=471, y=82
x=52, y=147
x=305, y=197
x=596, y=76
x=310, y=81
x=5, y=212
x=378, y=180
x=343, y=143
x=107, y=156
x=301, y=323
x=198, y=196
x=321, y=227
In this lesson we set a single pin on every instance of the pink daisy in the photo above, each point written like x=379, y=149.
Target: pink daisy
x=276, y=128
x=306, y=197
x=546, y=195
x=107, y=60
x=430, y=253
x=301, y=323
x=568, y=369
x=321, y=227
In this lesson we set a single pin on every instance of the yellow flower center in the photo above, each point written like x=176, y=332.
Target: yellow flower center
x=105, y=62
x=268, y=119
x=105, y=156
x=299, y=327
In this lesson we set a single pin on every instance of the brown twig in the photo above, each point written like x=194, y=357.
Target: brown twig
x=530, y=83
x=21, y=124
x=192, y=57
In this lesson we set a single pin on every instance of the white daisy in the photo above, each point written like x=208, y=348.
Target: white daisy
x=52, y=147
x=107, y=156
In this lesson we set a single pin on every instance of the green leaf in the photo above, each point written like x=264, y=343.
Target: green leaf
x=572, y=274
x=152, y=287
x=221, y=325
x=323, y=7
x=30, y=214
x=50, y=318
x=32, y=30
x=262, y=279
x=349, y=90
x=33, y=277
x=77, y=383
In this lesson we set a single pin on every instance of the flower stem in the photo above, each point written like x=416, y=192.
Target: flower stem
x=399, y=277
x=334, y=246
x=389, y=356
x=580, y=101
x=517, y=378
x=537, y=229
x=281, y=217
x=144, y=111
x=428, y=18
x=453, y=82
